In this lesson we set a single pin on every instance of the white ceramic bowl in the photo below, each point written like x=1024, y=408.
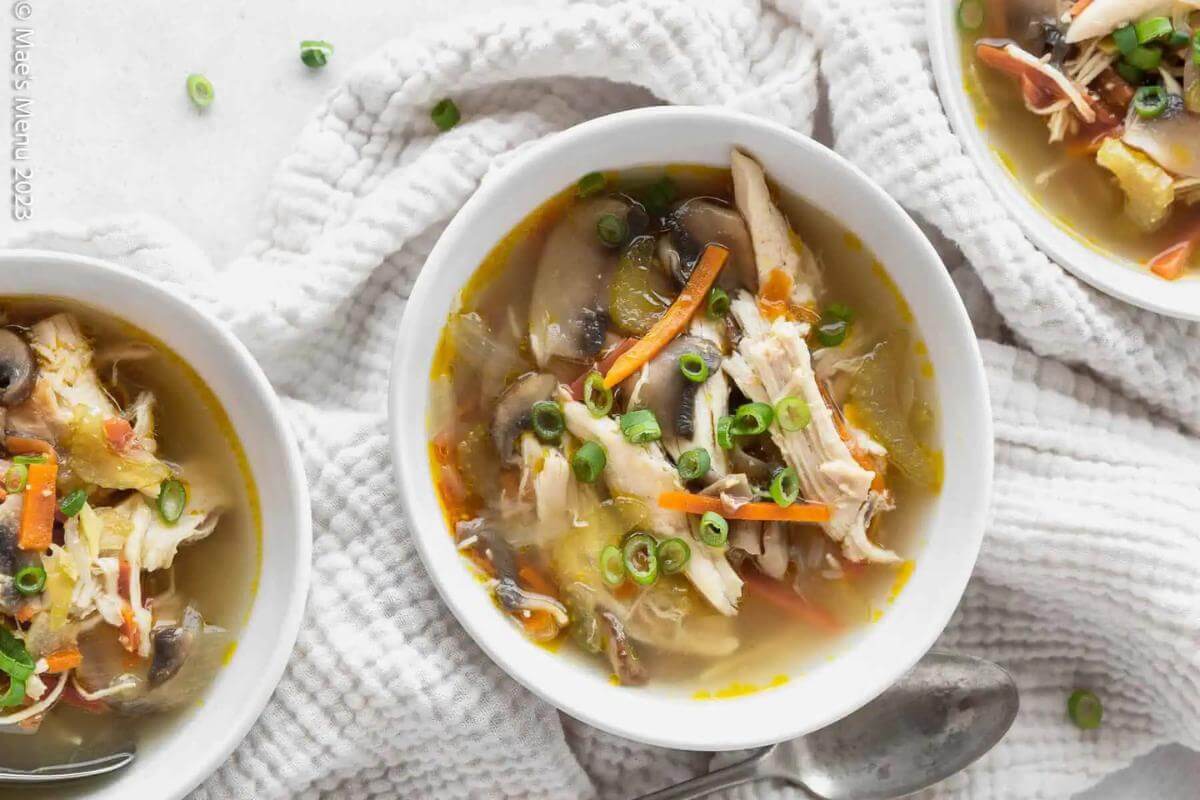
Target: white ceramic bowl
x=883, y=651
x=171, y=764
x=1110, y=273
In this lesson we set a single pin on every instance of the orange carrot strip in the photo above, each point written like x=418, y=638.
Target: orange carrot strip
x=37, y=513
x=27, y=612
x=782, y=597
x=602, y=366
x=675, y=319
x=690, y=503
x=118, y=433
x=532, y=579
x=21, y=445
x=62, y=660
x=1078, y=7
x=1173, y=262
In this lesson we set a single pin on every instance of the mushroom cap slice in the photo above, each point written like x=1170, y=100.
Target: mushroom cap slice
x=702, y=221
x=512, y=415
x=18, y=368
x=1172, y=139
x=661, y=386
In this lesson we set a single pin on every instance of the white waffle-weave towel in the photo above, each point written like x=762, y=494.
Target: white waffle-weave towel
x=1090, y=573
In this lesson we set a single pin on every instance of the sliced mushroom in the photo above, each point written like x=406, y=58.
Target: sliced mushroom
x=702, y=221
x=621, y=653
x=18, y=369
x=568, y=308
x=1172, y=139
x=661, y=386
x=10, y=556
x=1102, y=17
x=171, y=645
x=512, y=414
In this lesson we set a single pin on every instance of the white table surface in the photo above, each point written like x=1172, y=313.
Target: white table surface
x=114, y=132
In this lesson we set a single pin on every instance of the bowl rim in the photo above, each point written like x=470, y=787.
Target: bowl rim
x=1114, y=275
x=427, y=526
x=262, y=679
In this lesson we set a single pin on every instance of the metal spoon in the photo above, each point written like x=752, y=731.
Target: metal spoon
x=943, y=714
x=68, y=772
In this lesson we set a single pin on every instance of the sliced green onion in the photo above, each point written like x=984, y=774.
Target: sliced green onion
x=445, y=114
x=785, y=487
x=970, y=15
x=72, y=504
x=15, y=660
x=793, y=413
x=1178, y=39
x=1150, y=101
x=547, y=420
x=1084, y=709
x=590, y=184
x=718, y=302
x=612, y=566
x=172, y=499
x=658, y=196
x=714, y=530
x=752, y=419
x=1196, y=47
x=588, y=462
x=693, y=464
x=611, y=229
x=1153, y=29
x=840, y=311
x=725, y=432
x=673, y=555
x=596, y=396
x=831, y=333
x=14, y=695
x=641, y=560
x=15, y=478
x=30, y=580
x=1126, y=39
x=40, y=458
x=640, y=427
x=1131, y=74
x=200, y=89
x=315, y=53
x=1145, y=58
x=693, y=367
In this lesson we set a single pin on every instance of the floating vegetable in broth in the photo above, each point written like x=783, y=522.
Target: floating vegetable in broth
x=673, y=482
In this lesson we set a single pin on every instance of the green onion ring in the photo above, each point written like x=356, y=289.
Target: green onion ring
x=718, y=302
x=547, y=421
x=640, y=427
x=793, y=413
x=590, y=184
x=612, y=566
x=588, y=462
x=445, y=114
x=1084, y=709
x=73, y=503
x=752, y=419
x=15, y=478
x=693, y=367
x=641, y=560
x=200, y=90
x=714, y=530
x=172, y=498
x=725, y=432
x=30, y=580
x=1150, y=101
x=673, y=555
x=596, y=396
x=315, y=53
x=693, y=464
x=785, y=487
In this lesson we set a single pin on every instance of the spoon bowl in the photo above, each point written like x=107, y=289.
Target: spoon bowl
x=943, y=714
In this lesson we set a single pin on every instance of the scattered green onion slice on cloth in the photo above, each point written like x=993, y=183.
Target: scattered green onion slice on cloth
x=693, y=464
x=200, y=90
x=640, y=555
x=445, y=114
x=673, y=555
x=1084, y=709
x=612, y=566
x=588, y=462
x=315, y=53
x=30, y=580
x=172, y=498
x=714, y=529
x=640, y=427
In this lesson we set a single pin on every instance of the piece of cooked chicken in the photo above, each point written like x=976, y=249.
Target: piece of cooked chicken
x=770, y=232
x=65, y=365
x=643, y=472
x=772, y=362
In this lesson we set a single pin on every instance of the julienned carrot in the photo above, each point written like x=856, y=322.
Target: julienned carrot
x=37, y=512
x=62, y=660
x=1078, y=7
x=1172, y=262
x=675, y=319
x=602, y=366
x=690, y=503
x=782, y=597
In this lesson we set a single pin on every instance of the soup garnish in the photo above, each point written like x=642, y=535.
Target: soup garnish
x=652, y=433
x=109, y=486
x=1117, y=83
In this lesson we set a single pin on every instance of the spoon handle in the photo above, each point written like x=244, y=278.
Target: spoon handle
x=741, y=772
